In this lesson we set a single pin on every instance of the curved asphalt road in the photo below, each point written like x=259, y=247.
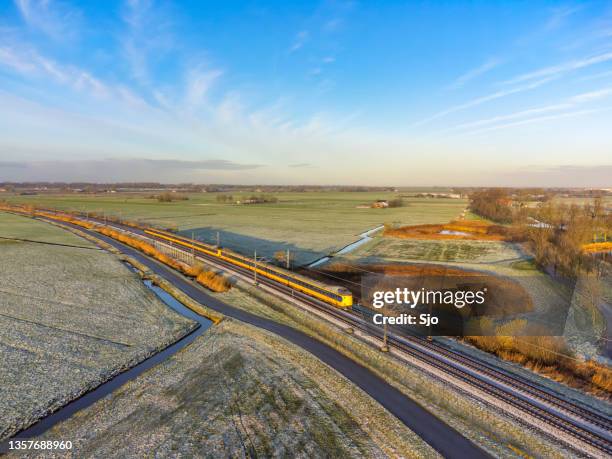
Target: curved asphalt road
x=442, y=437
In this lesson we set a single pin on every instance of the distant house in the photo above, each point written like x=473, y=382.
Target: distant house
x=539, y=224
x=380, y=204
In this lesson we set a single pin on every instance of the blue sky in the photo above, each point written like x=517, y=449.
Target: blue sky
x=381, y=93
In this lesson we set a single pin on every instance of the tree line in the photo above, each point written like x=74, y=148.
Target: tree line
x=555, y=232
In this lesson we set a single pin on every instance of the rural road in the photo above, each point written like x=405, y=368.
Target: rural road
x=442, y=437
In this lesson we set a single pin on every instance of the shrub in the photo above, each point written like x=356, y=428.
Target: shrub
x=194, y=270
x=548, y=355
x=214, y=281
x=396, y=202
x=169, y=197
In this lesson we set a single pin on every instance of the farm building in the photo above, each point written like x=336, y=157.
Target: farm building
x=380, y=204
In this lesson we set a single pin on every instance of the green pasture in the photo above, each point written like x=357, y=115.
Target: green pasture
x=308, y=224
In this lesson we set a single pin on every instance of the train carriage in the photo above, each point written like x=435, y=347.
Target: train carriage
x=337, y=296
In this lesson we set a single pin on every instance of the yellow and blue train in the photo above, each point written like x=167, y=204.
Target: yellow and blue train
x=337, y=296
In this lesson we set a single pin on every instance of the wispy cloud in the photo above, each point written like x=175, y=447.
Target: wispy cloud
x=151, y=91
x=591, y=96
x=568, y=103
x=55, y=19
x=559, y=17
x=332, y=25
x=16, y=62
x=597, y=76
x=485, y=67
x=147, y=37
x=199, y=83
x=231, y=108
x=483, y=99
x=521, y=83
x=29, y=63
x=560, y=69
x=513, y=116
x=540, y=119
x=299, y=41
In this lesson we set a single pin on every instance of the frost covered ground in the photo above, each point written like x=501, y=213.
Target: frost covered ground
x=71, y=316
x=239, y=392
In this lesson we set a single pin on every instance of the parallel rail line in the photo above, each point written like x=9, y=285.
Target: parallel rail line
x=518, y=382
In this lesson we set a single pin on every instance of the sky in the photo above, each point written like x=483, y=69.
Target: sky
x=401, y=93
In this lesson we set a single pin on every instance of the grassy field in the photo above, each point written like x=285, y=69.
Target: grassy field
x=13, y=226
x=392, y=249
x=309, y=224
x=70, y=317
x=236, y=392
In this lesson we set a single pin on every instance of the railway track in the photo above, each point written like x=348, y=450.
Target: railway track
x=520, y=383
x=582, y=423
x=598, y=434
x=530, y=388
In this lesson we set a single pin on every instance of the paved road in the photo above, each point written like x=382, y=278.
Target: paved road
x=439, y=435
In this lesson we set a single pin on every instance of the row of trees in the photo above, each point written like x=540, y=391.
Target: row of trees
x=170, y=197
x=253, y=199
x=225, y=198
x=492, y=204
x=555, y=231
